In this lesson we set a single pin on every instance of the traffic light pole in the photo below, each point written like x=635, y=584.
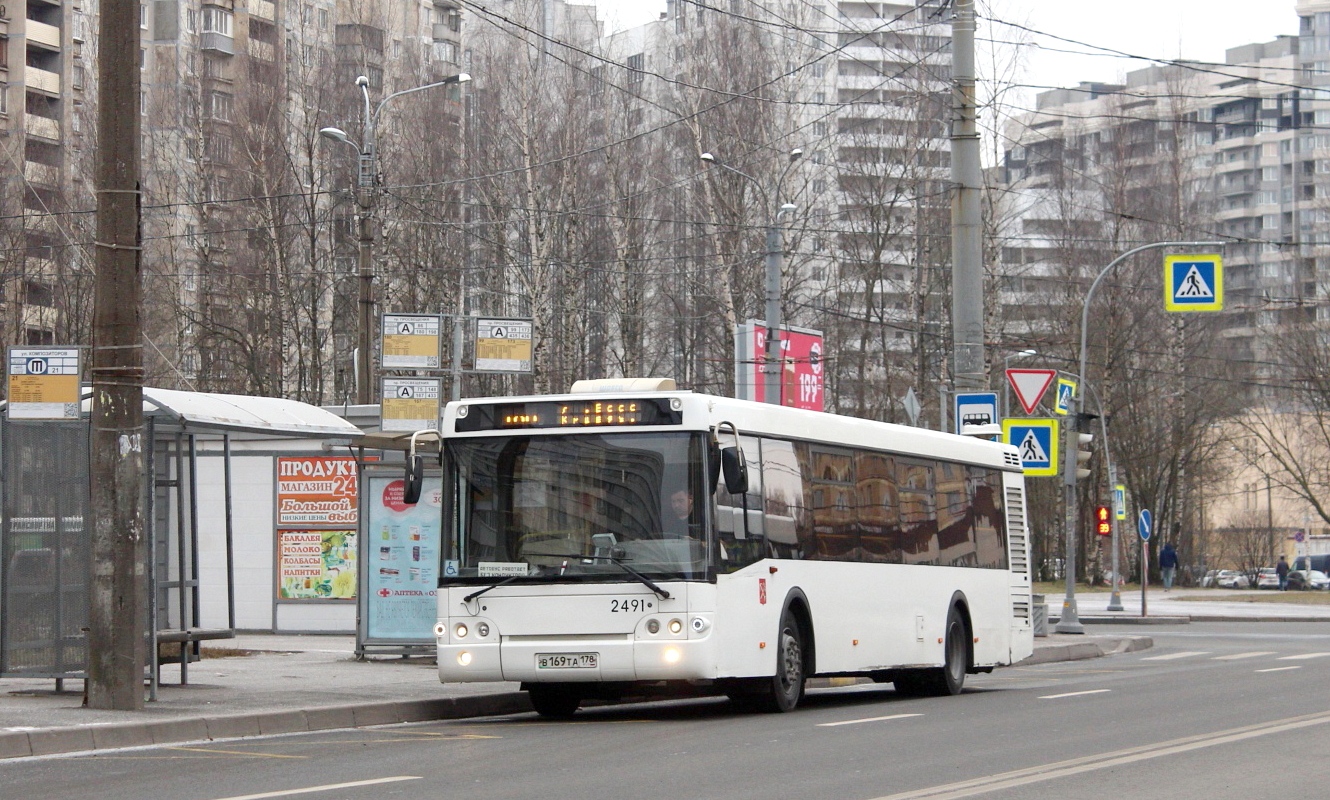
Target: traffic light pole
x=1070, y=622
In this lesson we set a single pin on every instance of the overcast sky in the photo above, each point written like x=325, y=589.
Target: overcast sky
x=1194, y=29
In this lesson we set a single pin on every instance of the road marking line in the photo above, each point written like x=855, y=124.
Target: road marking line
x=1304, y=656
x=1238, y=656
x=868, y=719
x=1279, y=669
x=1183, y=654
x=1073, y=694
x=325, y=788
x=230, y=752
x=1118, y=758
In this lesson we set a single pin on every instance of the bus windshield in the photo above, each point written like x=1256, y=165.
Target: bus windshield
x=579, y=507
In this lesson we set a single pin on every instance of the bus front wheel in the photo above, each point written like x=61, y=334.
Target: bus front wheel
x=786, y=687
x=554, y=700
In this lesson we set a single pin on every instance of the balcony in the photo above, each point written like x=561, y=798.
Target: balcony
x=217, y=42
x=263, y=51
x=263, y=9
x=43, y=35
x=41, y=174
x=43, y=127
x=42, y=81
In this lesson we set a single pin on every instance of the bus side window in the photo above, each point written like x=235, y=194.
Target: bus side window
x=740, y=544
x=784, y=499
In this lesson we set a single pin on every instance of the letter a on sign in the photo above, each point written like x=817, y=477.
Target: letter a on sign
x=1030, y=385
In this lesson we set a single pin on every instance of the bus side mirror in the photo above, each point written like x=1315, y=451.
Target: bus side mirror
x=736, y=471
x=415, y=479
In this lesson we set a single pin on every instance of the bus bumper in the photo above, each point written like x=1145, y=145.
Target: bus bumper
x=616, y=658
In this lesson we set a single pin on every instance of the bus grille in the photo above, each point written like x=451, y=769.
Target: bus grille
x=1020, y=609
x=1012, y=460
x=1016, y=532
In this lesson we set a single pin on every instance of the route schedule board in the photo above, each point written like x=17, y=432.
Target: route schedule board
x=43, y=382
x=410, y=341
x=410, y=404
x=503, y=345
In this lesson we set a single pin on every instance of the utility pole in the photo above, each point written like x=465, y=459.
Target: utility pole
x=117, y=597
x=967, y=267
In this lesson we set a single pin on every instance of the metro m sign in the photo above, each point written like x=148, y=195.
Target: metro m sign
x=802, y=367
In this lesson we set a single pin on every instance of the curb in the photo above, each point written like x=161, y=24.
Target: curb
x=1079, y=651
x=1125, y=620
x=83, y=738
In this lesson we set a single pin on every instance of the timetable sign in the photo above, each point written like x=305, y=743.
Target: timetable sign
x=44, y=382
x=410, y=341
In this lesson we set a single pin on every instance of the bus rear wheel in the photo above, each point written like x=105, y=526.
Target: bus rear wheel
x=554, y=700
x=950, y=678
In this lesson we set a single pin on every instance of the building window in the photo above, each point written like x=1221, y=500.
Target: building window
x=36, y=293
x=143, y=16
x=191, y=20
x=220, y=105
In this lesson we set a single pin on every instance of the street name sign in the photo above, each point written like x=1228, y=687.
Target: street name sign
x=1037, y=441
x=1194, y=283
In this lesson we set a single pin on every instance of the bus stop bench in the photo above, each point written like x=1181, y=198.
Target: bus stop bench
x=188, y=640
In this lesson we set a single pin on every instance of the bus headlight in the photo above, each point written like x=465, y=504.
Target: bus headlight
x=460, y=630
x=676, y=626
x=700, y=624
x=464, y=658
x=671, y=655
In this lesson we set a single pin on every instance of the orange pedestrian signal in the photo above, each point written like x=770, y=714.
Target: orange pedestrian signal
x=1103, y=524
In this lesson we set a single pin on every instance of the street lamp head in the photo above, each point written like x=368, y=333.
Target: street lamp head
x=795, y=153
x=361, y=80
x=463, y=77
x=788, y=208
x=707, y=157
x=1028, y=353
x=335, y=134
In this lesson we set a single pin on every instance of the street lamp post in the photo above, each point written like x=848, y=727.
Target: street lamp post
x=365, y=197
x=1006, y=385
x=1070, y=621
x=771, y=367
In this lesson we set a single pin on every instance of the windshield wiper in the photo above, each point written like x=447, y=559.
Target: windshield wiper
x=615, y=560
x=476, y=594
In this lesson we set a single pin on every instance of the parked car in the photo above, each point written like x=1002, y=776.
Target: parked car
x=1308, y=579
x=1267, y=579
x=1231, y=579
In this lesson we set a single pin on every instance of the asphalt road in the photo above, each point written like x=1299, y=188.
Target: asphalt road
x=1214, y=710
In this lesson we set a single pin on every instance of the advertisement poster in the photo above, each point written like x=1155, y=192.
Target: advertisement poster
x=401, y=559
x=801, y=365
x=316, y=565
x=317, y=490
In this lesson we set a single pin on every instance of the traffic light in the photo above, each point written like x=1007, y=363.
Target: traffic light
x=1103, y=521
x=1079, y=438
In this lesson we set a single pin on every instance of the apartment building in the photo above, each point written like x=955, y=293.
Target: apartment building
x=1201, y=152
x=44, y=70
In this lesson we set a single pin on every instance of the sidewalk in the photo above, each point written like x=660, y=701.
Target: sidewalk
x=1180, y=607
x=269, y=684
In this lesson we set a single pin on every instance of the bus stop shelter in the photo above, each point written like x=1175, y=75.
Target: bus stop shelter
x=45, y=542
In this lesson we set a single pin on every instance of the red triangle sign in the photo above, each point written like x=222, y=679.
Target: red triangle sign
x=1030, y=385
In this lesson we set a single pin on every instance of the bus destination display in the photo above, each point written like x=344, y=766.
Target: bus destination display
x=572, y=414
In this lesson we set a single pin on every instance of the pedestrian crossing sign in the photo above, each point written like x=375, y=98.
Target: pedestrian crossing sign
x=1037, y=441
x=1194, y=283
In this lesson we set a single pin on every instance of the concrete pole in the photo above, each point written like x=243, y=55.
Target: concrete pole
x=772, y=361
x=967, y=272
x=117, y=588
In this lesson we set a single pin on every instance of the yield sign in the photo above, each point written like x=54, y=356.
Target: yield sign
x=1030, y=385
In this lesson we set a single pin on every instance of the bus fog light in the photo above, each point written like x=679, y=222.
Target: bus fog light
x=671, y=655
x=653, y=626
x=464, y=658
x=460, y=630
x=482, y=629
x=440, y=629
x=676, y=626
x=699, y=624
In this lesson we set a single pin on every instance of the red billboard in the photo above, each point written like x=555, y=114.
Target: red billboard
x=801, y=366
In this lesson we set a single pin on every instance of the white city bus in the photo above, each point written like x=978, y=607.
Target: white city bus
x=609, y=542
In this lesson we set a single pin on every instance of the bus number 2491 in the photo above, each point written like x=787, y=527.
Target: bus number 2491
x=627, y=606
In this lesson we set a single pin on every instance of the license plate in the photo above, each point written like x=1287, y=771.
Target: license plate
x=567, y=660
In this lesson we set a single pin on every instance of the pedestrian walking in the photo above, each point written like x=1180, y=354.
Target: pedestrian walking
x=1281, y=571
x=1168, y=565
